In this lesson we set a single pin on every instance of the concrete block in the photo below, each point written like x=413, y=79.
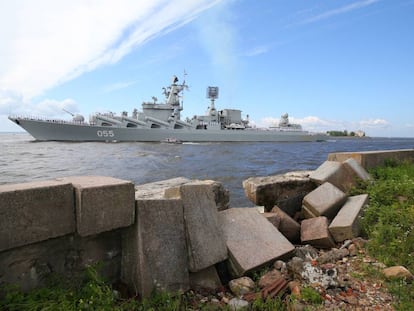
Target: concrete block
x=252, y=240
x=221, y=195
x=326, y=200
x=102, y=203
x=284, y=190
x=287, y=226
x=32, y=265
x=205, y=242
x=156, y=190
x=314, y=231
x=154, y=255
x=371, y=159
x=35, y=211
x=205, y=279
x=356, y=169
x=346, y=225
x=335, y=173
x=273, y=218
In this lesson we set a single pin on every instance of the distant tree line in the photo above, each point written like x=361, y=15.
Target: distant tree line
x=345, y=133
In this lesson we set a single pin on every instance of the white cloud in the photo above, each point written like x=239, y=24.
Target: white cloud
x=118, y=86
x=374, y=123
x=342, y=10
x=257, y=51
x=48, y=42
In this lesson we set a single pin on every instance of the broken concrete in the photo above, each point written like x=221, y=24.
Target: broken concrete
x=36, y=211
x=352, y=166
x=205, y=242
x=102, y=203
x=205, y=279
x=285, y=190
x=273, y=218
x=287, y=225
x=326, y=200
x=345, y=225
x=334, y=173
x=314, y=231
x=252, y=241
x=154, y=249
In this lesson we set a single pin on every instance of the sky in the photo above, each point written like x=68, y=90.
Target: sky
x=331, y=65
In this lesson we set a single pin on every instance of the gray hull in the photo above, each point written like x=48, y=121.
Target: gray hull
x=45, y=130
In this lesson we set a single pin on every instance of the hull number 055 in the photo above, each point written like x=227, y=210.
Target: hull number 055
x=105, y=133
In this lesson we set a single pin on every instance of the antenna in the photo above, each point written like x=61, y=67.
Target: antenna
x=72, y=114
x=212, y=94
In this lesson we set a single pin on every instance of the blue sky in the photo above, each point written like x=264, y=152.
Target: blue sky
x=332, y=65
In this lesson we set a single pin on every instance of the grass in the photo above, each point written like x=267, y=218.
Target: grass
x=388, y=223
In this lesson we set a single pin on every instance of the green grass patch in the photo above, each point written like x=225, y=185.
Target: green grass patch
x=388, y=222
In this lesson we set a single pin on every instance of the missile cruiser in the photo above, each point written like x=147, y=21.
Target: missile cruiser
x=159, y=122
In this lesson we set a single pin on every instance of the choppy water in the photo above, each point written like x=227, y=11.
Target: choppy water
x=23, y=160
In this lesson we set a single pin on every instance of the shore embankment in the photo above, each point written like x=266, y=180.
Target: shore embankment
x=180, y=234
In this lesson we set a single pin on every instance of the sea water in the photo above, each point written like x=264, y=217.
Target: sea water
x=22, y=159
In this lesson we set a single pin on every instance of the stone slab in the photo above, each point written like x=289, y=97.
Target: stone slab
x=154, y=255
x=102, y=203
x=272, y=218
x=371, y=159
x=35, y=211
x=335, y=173
x=252, y=240
x=314, y=231
x=356, y=169
x=346, y=225
x=287, y=226
x=284, y=190
x=326, y=200
x=205, y=243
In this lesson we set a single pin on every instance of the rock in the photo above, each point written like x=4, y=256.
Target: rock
x=345, y=225
x=353, y=250
x=269, y=278
x=314, y=275
x=326, y=200
x=252, y=241
x=287, y=226
x=279, y=265
x=236, y=304
x=285, y=190
x=306, y=252
x=294, y=287
x=314, y=231
x=398, y=272
x=333, y=255
x=295, y=267
x=241, y=286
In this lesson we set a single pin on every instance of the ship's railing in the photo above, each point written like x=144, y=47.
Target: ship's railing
x=44, y=119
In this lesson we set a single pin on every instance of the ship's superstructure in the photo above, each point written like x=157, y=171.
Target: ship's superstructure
x=160, y=121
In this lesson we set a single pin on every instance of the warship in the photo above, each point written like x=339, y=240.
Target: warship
x=158, y=122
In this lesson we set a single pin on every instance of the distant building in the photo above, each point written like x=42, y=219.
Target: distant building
x=359, y=133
